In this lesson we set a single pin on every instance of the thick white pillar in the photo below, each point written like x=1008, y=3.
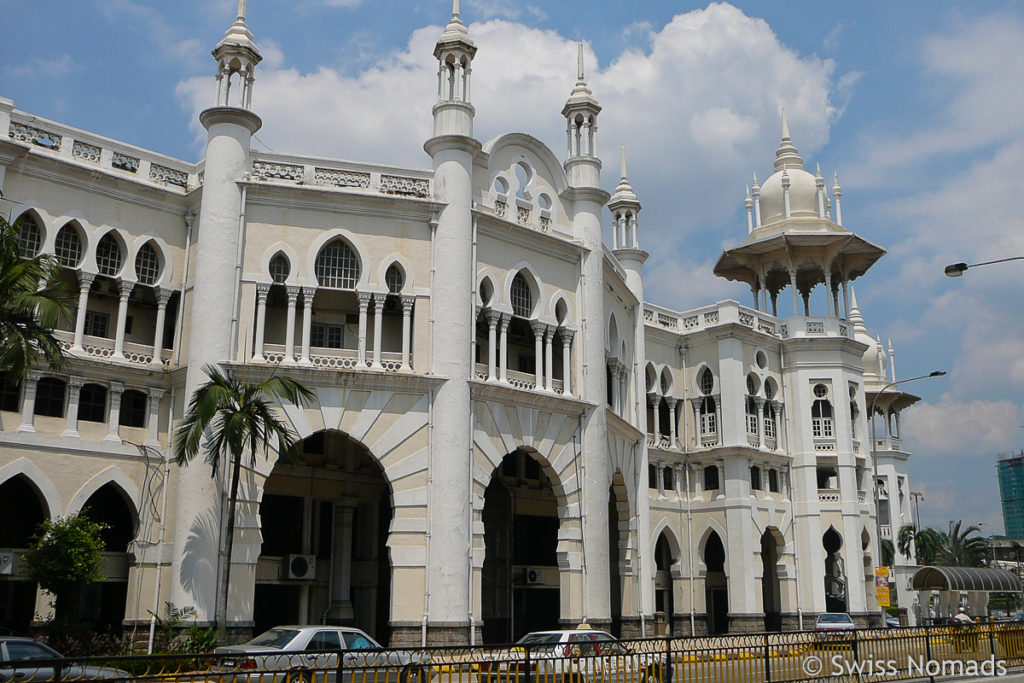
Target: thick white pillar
x=262, y=291
x=289, y=331
x=341, y=562
x=308, y=293
x=28, y=403
x=153, y=421
x=378, y=327
x=162, y=297
x=492, y=340
x=364, y=303
x=796, y=293
x=71, y=416
x=124, y=288
x=84, y=284
x=408, y=301
x=114, y=414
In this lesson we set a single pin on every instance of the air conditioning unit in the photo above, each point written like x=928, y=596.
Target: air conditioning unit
x=6, y=563
x=300, y=567
x=532, y=575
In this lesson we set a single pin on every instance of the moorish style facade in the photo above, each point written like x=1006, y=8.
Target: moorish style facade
x=505, y=436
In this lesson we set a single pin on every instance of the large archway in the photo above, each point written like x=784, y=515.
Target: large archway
x=716, y=586
x=771, y=593
x=520, y=589
x=104, y=601
x=618, y=533
x=664, y=598
x=835, y=571
x=325, y=520
x=22, y=508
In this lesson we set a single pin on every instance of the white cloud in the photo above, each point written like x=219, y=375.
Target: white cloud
x=37, y=67
x=962, y=429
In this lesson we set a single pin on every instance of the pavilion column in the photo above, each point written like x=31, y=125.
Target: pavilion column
x=503, y=329
x=566, y=336
x=163, y=295
x=672, y=421
x=807, y=303
x=114, y=414
x=85, y=281
x=289, y=330
x=775, y=304
x=659, y=474
x=829, y=293
x=125, y=288
x=622, y=375
x=262, y=291
x=308, y=293
x=153, y=422
x=796, y=292
x=28, y=404
x=718, y=420
x=492, y=344
x=364, y=303
x=378, y=327
x=846, y=298
x=71, y=416
x=754, y=294
x=538, y=353
x=408, y=301
x=549, y=337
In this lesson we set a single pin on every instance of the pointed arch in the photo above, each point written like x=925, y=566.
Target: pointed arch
x=698, y=375
x=163, y=275
x=544, y=157
x=612, y=335
x=289, y=253
x=99, y=258
x=111, y=475
x=42, y=229
x=393, y=259
x=35, y=476
x=664, y=527
x=352, y=241
x=532, y=280
x=71, y=243
x=565, y=316
x=651, y=378
x=714, y=527
x=666, y=382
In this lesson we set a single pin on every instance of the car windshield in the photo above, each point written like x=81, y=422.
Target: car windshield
x=540, y=639
x=275, y=637
x=834, y=619
x=20, y=650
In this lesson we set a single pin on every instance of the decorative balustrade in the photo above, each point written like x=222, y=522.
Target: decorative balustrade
x=101, y=348
x=828, y=496
x=723, y=313
x=519, y=380
x=824, y=446
x=37, y=136
x=885, y=530
x=341, y=178
x=334, y=359
x=862, y=497
x=277, y=169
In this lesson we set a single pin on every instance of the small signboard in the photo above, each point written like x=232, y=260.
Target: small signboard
x=882, y=586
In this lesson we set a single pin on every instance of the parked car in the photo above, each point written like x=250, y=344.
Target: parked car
x=302, y=654
x=581, y=654
x=833, y=622
x=892, y=622
x=25, y=660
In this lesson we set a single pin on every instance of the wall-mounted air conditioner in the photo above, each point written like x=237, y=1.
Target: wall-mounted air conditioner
x=300, y=567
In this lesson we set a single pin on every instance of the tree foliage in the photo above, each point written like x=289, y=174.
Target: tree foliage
x=957, y=547
x=32, y=300
x=64, y=557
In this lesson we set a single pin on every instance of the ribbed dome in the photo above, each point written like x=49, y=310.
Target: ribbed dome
x=803, y=195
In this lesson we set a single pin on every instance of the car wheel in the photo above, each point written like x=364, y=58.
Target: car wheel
x=300, y=676
x=413, y=674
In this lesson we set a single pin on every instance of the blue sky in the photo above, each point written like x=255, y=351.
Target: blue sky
x=918, y=106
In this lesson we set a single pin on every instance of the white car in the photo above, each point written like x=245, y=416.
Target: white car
x=304, y=654
x=834, y=622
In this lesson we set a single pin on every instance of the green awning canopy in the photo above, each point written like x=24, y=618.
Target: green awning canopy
x=965, y=579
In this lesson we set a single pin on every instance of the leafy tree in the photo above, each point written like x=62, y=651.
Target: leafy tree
x=64, y=558
x=960, y=548
x=924, y=544
x=227, y=417
x=28, y=311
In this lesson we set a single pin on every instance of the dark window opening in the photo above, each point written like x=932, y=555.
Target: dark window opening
x=92, y=403
x=50, y=397
x=133, y=409
x=711, y=478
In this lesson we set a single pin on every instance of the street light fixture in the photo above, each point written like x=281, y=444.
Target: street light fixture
x=957, y=269
x=874, y=461
x=917, y=497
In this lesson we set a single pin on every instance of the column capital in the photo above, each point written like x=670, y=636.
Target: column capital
x=85, y=279
x=33, y=376
x=116, y=387
x=379, y=298
x=538, y=327
x=76, y=382
x=759, y=402
x=293, y=293
x=672, y=401
x=566, y=334
x=263, y=288
x=125, y=288
x=408, y=301
x=163, y=295
x=549, y=333
x=506, y=318
x=492, y=317
x=155, y=393
x=307, y=296
x=364, y=299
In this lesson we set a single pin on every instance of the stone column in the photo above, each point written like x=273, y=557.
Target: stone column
x=846, y=298
x=656, y=414
x=660, y=477
x=759, y=403
x=378, y=327
x=408, y=301
x=71, y=416
x=262, y=291
x=503, y=328
x=672, y=420
x=124, y=290
x=114, y=414
x=289, y=331
x=163, y=295
x=566, y=337
x=718, y=420
x=538, y=353
x=492, y=340
x=308, y=293
x=341, y=565
x=153, y=422
x=84, y=284
x=695, y=405
x=796, y=292
x=28, y=403
x=549, y=336
x=364, y=303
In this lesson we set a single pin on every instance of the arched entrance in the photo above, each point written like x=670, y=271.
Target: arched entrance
x=664, y=600
x=771, y=594
x=520, y=582
x=716, y=586
x=104, y=601
x=325, y=521
x=618, y=530
x=22, y=509
x=835, y=572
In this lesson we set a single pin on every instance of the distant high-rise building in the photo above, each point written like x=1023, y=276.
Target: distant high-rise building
x=1011, y=493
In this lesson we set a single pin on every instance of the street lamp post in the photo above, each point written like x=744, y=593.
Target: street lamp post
x=874, y=462
x=917, y=497
x=957, y=269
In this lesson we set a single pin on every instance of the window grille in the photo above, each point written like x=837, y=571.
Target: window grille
x=337, y=266
x=522, y=298
x=821, y=419
x=708, y=419
x=751, y=416
x=50, y=397
x=279, y=268
x=96, y=323
x=92, y=403
x=108, y=255
x=707, y=382
x=30, y=237
x=327, y=335
x=68, y=247
x=394, y=279
x=769, y=422
x=147, y=265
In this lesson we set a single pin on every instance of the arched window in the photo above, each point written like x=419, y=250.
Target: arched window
x=92, y=403
x=50, y=397
x=769, y=389
x=133, y=409
x=751, y=416
x=337, y=266
x=109, y=256
x=395, y=279
x=68, y=246
x=522, y=297
x=279, y=268
x=854, y=415
x=769, y=421
x=147, y=265
x=821, y=419
x=30, y=236
x=711, y=478
x=706, y=382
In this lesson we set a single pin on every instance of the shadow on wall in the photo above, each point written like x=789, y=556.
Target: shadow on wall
x=199, y=566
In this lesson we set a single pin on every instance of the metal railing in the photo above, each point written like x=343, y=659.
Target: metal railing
x=873, y=654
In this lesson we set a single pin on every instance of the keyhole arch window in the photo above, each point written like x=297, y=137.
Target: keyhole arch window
x=521, y=296
x=109, y=255
x=30, y=236
x=279, y=268
x=394, y=278
x=147, y=264
x=337, y=266
x=821, y=419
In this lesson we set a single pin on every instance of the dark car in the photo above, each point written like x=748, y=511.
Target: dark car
x=25, y=660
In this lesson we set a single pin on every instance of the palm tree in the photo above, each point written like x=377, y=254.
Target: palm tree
x=924, y=544
x=28, y=312
x=227, y=417
x=961, y=549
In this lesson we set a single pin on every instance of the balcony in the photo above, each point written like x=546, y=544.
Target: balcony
x=520, y=380
x=335, y=359
x=803, y=327
x=101, y=348
x=828, y=496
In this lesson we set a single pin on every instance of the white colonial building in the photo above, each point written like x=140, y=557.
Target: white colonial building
x=506, y=436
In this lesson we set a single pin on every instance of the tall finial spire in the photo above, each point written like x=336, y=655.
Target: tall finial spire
x=623, y=162
x=787, y=154
x=241, y=10
x=785, y=126
x=580, y=76
x=455, y=9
